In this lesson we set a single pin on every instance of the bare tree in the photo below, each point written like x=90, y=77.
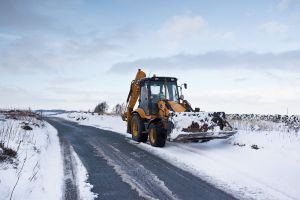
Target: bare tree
x=118, y=109
x=101, y=108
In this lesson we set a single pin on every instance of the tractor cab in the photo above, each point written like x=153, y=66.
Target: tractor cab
x=154, y=89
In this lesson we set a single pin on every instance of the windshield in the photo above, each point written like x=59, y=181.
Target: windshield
x=164, y=90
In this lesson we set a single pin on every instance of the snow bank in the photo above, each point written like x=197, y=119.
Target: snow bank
x=81, y=179
x=106, y=122
x=255, y=163
x=37, y=171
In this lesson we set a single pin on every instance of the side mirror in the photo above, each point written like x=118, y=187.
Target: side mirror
x=185, y=86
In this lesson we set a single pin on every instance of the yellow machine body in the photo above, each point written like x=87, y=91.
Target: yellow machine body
x=159, y=106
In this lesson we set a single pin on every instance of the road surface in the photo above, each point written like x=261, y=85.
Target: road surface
x=118, y=169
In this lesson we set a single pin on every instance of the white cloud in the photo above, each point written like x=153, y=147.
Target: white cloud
x=273, y=27
x=228, y=35
x=182, y=28
x=189, y=34
x=283, y=4
x=262, y=99
x=285, y=61
x=40, y=53
x=21, y=16
x=6, y=36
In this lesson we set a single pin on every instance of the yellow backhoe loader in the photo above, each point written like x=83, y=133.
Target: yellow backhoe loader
x=163, y=114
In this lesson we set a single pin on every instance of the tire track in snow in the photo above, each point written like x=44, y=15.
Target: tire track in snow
x=147, y=184
x=70, y=187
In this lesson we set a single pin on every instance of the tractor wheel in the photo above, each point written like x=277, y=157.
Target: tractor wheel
x=157, y=135
x=138, y=129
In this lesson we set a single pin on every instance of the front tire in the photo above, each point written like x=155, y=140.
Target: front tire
x=138, y=129
x=157, y=135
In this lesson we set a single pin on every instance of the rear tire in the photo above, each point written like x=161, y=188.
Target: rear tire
x=138, y=129
x=157, y=135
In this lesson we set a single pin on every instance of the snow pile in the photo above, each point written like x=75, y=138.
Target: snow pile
x=183, y=121
x=189, y=122
x=253, y=164
x=36, y=170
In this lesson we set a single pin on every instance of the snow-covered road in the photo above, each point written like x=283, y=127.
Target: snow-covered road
x=119, y=169
x=234, y=165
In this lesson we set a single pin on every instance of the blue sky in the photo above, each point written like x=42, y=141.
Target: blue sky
x=236, y=56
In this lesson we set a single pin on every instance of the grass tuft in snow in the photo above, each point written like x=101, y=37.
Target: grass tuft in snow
x=6, y=153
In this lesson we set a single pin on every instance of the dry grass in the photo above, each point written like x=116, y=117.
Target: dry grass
x=16, y=130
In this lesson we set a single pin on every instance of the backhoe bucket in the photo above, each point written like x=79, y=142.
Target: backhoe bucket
x=194, y=126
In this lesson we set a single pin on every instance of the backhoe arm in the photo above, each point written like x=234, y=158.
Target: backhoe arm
x=133, y=96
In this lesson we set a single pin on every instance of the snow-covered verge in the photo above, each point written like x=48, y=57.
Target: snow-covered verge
x=31, y=164
x=34, y=170
x=261, y=161
x=84, y=187
x=106, y=122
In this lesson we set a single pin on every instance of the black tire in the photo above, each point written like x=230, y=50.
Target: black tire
x=138, y=129
x=157, y=134
x=128, y=128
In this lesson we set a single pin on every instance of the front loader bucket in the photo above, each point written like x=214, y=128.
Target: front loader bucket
x=203, y=136
x=195, y=126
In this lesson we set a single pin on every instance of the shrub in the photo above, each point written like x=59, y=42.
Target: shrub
x=101, y=108
x=118, y=109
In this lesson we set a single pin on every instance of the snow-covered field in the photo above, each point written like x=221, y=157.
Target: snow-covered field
x=35, y=170
x=262, y=161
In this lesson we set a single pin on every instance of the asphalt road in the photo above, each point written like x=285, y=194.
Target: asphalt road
x=118, y=169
